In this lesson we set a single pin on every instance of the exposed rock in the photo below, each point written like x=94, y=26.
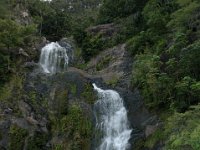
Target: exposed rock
x=113, y=65
x=32, y=121
x=107, y=30
x=25, y=14
x=69, y=46
x=21, y=122
x=30, y=65
x=8, y=111
x=25, y=108
x=21, y=14
x=150, y=129
x=23, y=53
x=4, y=128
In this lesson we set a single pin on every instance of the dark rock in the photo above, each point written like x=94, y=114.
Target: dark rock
x=30, y=65
x=8, y=111
x=150, y=129
x=106, y=30
x=4, y=129
x=69, y=46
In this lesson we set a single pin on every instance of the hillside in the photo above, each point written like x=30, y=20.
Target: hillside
x=134, y=62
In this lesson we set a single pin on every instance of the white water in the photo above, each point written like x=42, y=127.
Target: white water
x=112, y=120
x=53, y=58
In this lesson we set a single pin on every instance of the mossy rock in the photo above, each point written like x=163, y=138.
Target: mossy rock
x=76, y=128
x=17, y=137
x=103, y=63
x=88, y=94
x=38, y=141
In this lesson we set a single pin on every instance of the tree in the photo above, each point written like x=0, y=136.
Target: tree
x=52, y=18
x=13, y=34
x=189, y=60
x=4, y=11
x=112, y=9
x=9, y=33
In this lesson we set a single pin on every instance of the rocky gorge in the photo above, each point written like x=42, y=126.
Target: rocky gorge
x=99, y=75
x=43, y=103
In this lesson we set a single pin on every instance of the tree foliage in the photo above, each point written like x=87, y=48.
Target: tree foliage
x=115, y=9
x=171, y=36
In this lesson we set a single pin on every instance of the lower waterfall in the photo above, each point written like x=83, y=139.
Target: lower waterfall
x=111, y=121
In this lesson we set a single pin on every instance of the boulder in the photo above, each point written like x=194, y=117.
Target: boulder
x=23, y=52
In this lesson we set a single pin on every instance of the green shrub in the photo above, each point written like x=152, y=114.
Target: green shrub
x=181, y=18
x=186, y=93
x=37, y=141
x=13, y=34
x=138, y=44
x=112, y=9
x=88, y=94
x=182, y=129
x=92, y=45
x=189, y=60
x=78, y=127
x=17, y=137
x=103, y=63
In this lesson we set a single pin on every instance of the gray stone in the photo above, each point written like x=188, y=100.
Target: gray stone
x=23, y=52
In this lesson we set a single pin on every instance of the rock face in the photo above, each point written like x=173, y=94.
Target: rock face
x=111, y=64
x=107, y=30
x=44, y=98
x=50, y=108
x=69, y=46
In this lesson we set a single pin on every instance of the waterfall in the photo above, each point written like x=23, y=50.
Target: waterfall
x=111, y=120
x=53, y=58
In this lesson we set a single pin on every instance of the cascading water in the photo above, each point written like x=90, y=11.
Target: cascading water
x=111, y=120
x=53, y=58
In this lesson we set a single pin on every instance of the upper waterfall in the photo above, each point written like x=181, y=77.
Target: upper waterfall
x=111, y=120
x=53, y=58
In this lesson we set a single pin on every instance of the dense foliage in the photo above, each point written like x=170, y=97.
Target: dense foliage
x=115, y=9
x=163, y=37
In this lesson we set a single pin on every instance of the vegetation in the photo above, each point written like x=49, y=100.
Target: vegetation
x=88, y=94
x=162, y=37
x=181, y=131
x=163, y=41
x=37, y=141
x=166, y=74
x=17, y=137
x=76, y=128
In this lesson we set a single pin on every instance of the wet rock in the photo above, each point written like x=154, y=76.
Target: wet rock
x=69, y=46
x=30, y=65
